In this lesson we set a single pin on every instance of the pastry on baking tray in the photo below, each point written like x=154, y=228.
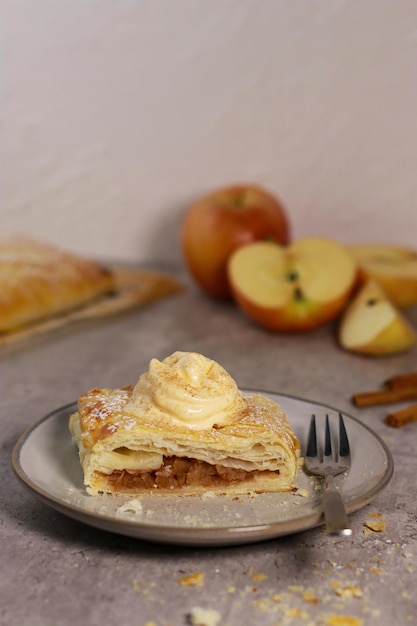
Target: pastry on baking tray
x=39, y=281
x=184, y=428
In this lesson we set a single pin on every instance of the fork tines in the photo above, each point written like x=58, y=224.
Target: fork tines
x=344, y=447
x=312, y=446
x=328, y=465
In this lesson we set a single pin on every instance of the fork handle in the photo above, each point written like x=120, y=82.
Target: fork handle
x=337, y=522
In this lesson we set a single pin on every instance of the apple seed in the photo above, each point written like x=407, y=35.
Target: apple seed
x=298, y=294
x=292, y=276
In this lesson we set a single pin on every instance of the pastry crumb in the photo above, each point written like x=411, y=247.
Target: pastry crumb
x=192, y=580
x=352, y=591
x=204, y=617
x=296, y=613
x=375, y=525
x=208, y=494
x=343, y=620
x=132, y=507
x=303, y=493
x=310, y=597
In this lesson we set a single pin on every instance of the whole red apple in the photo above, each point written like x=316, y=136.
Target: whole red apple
x=224, y=220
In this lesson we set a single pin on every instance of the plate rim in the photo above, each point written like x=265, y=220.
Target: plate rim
x=199, y=535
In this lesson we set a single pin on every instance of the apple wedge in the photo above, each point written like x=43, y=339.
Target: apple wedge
x=292, y=288
x=372, y=325
x=394, y=267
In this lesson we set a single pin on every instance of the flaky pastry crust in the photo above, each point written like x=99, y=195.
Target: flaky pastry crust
x=39, y=281
x=125, y=450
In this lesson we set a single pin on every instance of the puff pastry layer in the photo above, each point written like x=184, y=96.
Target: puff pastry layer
x=126, y=449
x=39, y=281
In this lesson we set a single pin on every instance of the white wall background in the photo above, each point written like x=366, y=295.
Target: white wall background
x=116, y=114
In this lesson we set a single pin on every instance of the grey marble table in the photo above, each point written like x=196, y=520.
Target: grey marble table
x=57, y=571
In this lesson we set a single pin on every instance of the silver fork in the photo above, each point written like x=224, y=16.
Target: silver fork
x=325, y=463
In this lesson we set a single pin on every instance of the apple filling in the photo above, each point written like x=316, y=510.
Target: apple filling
x=177, y=472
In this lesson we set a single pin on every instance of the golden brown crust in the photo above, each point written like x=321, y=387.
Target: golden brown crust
x=39, y=281
x=100, y=410
x=260, y=442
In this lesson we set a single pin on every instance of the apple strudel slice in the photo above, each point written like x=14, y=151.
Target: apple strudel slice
x=184, y=428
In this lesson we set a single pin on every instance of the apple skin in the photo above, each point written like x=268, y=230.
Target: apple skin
x=298, y=287
x=298, y=317
x=394, y=267
x=222, y=221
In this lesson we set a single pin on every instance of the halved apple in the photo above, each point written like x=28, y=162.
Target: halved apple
x=372, y=325
x=292, y=288
x=394, y=267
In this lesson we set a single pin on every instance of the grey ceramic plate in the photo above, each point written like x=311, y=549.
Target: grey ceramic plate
x=46, y=461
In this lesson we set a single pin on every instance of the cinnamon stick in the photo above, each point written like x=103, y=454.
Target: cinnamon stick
x=402, y=417
x=385, y=396
x=402, y=381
